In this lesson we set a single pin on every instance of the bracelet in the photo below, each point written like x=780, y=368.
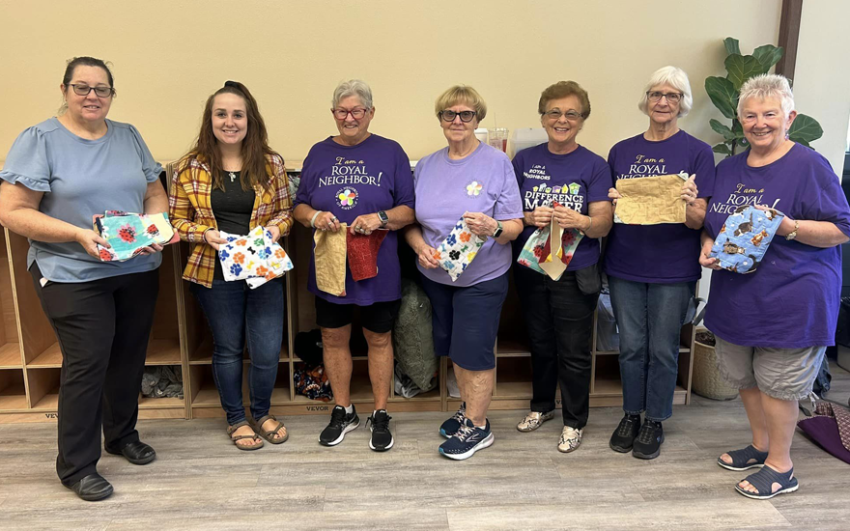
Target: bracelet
x=204, y=236
x=313, y=221
x=590, y=226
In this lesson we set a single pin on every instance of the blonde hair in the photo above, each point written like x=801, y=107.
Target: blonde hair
x=461, y=94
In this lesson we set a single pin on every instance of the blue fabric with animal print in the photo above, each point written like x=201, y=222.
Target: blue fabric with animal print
x=744, y=238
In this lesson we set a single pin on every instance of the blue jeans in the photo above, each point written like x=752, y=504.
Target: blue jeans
x=649, y=318
x=236, y=313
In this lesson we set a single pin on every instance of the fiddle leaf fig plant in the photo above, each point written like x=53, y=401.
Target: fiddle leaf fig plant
x=724, y=91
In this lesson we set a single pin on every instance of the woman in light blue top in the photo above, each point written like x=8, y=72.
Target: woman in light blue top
x=57, y=175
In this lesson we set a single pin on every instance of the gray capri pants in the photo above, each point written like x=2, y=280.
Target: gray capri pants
x=781, y=373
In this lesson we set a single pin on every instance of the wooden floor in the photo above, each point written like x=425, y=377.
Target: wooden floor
x=200, y=481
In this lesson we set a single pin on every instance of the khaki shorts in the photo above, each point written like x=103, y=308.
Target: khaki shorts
x=782, y=373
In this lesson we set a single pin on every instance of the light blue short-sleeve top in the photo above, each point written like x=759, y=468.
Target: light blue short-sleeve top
x=81, y=178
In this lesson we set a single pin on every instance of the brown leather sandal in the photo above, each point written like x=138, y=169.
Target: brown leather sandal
x=270, y=435
x=237, y=438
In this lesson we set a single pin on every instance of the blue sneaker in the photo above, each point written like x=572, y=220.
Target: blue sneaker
x=451, y=426
x=467, y=441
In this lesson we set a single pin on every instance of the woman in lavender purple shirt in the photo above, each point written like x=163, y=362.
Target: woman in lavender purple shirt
x=472, y=180
x=773, y=326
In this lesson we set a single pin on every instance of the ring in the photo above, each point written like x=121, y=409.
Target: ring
x=333, y=218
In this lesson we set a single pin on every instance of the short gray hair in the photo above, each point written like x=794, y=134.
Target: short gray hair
x=676, y=78
x=767, y=86
x=353, y=87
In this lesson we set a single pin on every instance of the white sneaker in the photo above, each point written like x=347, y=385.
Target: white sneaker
x=534, y=420
x=570, y=440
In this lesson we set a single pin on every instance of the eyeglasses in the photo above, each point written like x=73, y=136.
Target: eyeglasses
x=672, y=97
x=465, y=116
x=342, y=114
x=555, y=115
x=81, y=89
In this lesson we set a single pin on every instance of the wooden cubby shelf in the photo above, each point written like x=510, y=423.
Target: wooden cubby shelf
x=30, y=358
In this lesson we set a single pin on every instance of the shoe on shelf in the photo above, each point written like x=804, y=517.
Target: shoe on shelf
x=382, y=439
x=467, y=440
x=649, y=439
x=340, y=424
x=570, y=440
x=624, y=436
x=534, y=420
x=135, y=452
x=92, y=488
x=450, y=426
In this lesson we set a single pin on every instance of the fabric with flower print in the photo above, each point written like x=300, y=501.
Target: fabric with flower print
x=744, y=238
x=457, y=251
x=538, y=247
x=254, y=257
x=128, y=233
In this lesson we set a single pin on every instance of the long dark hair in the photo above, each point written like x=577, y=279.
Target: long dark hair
x=255, y=146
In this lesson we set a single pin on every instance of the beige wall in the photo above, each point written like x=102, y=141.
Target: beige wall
x=169, y=55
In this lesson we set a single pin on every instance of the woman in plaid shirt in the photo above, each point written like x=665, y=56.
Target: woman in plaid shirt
x=232, y=181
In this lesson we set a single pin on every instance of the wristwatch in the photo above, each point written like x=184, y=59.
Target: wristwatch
x=383, y=217
x=498, y=231
x=793, y=235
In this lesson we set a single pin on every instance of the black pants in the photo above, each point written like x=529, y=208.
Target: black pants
x=559, y=319
x=103, y=328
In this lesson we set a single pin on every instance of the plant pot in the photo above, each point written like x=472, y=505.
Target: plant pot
x=707, y=380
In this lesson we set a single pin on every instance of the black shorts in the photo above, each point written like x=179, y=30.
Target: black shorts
x=378, y=317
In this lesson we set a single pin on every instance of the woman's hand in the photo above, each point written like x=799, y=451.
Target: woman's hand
x=689, y=190
x=275, y=232
x=89, y=240
x=366, y=224
x=613, y=195
x=426, y=257
x=480, y=224
x=327, y=221
x=704, y=259
x=214, y=239
x=567, y=218
x=542, y=216
x=152, y=249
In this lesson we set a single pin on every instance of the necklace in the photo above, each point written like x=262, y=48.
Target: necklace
x=232, y=176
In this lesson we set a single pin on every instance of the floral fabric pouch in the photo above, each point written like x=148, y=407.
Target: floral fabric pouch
x=254, y=257
x=128, y=233
x=744, y=238
x=458, y=250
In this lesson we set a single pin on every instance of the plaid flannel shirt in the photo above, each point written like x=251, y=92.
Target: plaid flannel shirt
x=191, y=213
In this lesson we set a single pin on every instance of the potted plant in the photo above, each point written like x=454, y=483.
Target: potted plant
x=724, y=91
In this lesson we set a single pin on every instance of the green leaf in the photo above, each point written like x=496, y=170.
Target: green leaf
x=721, y=129
x=805, y=129
x=731, y=46
x=768, y=55
x=723, y=149
x=723, y=94
x=738, y=129
x=741, y=68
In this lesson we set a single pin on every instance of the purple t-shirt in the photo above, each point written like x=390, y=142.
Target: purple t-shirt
x=658, y=254
x=445, y=189
x=573, y=180
x=792, y=299
x=350, y=181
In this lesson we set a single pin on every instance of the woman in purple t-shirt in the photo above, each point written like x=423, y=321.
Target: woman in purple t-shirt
x=651, y=270
x=473, y=181
x=364, y=181
x=565, y=181
x=773, y=326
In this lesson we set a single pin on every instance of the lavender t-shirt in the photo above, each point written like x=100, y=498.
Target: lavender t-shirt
x=658, y=254
x=350, y=181
x=792, y=299
x=481, y=182
x=573, y=180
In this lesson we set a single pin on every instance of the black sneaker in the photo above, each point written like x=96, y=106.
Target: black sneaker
x=382, y=439
x=624, y=436
x=340, y=424
x=649, y=439
x=453, y=423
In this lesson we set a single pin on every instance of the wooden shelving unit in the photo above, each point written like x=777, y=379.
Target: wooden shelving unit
x=30, y=358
